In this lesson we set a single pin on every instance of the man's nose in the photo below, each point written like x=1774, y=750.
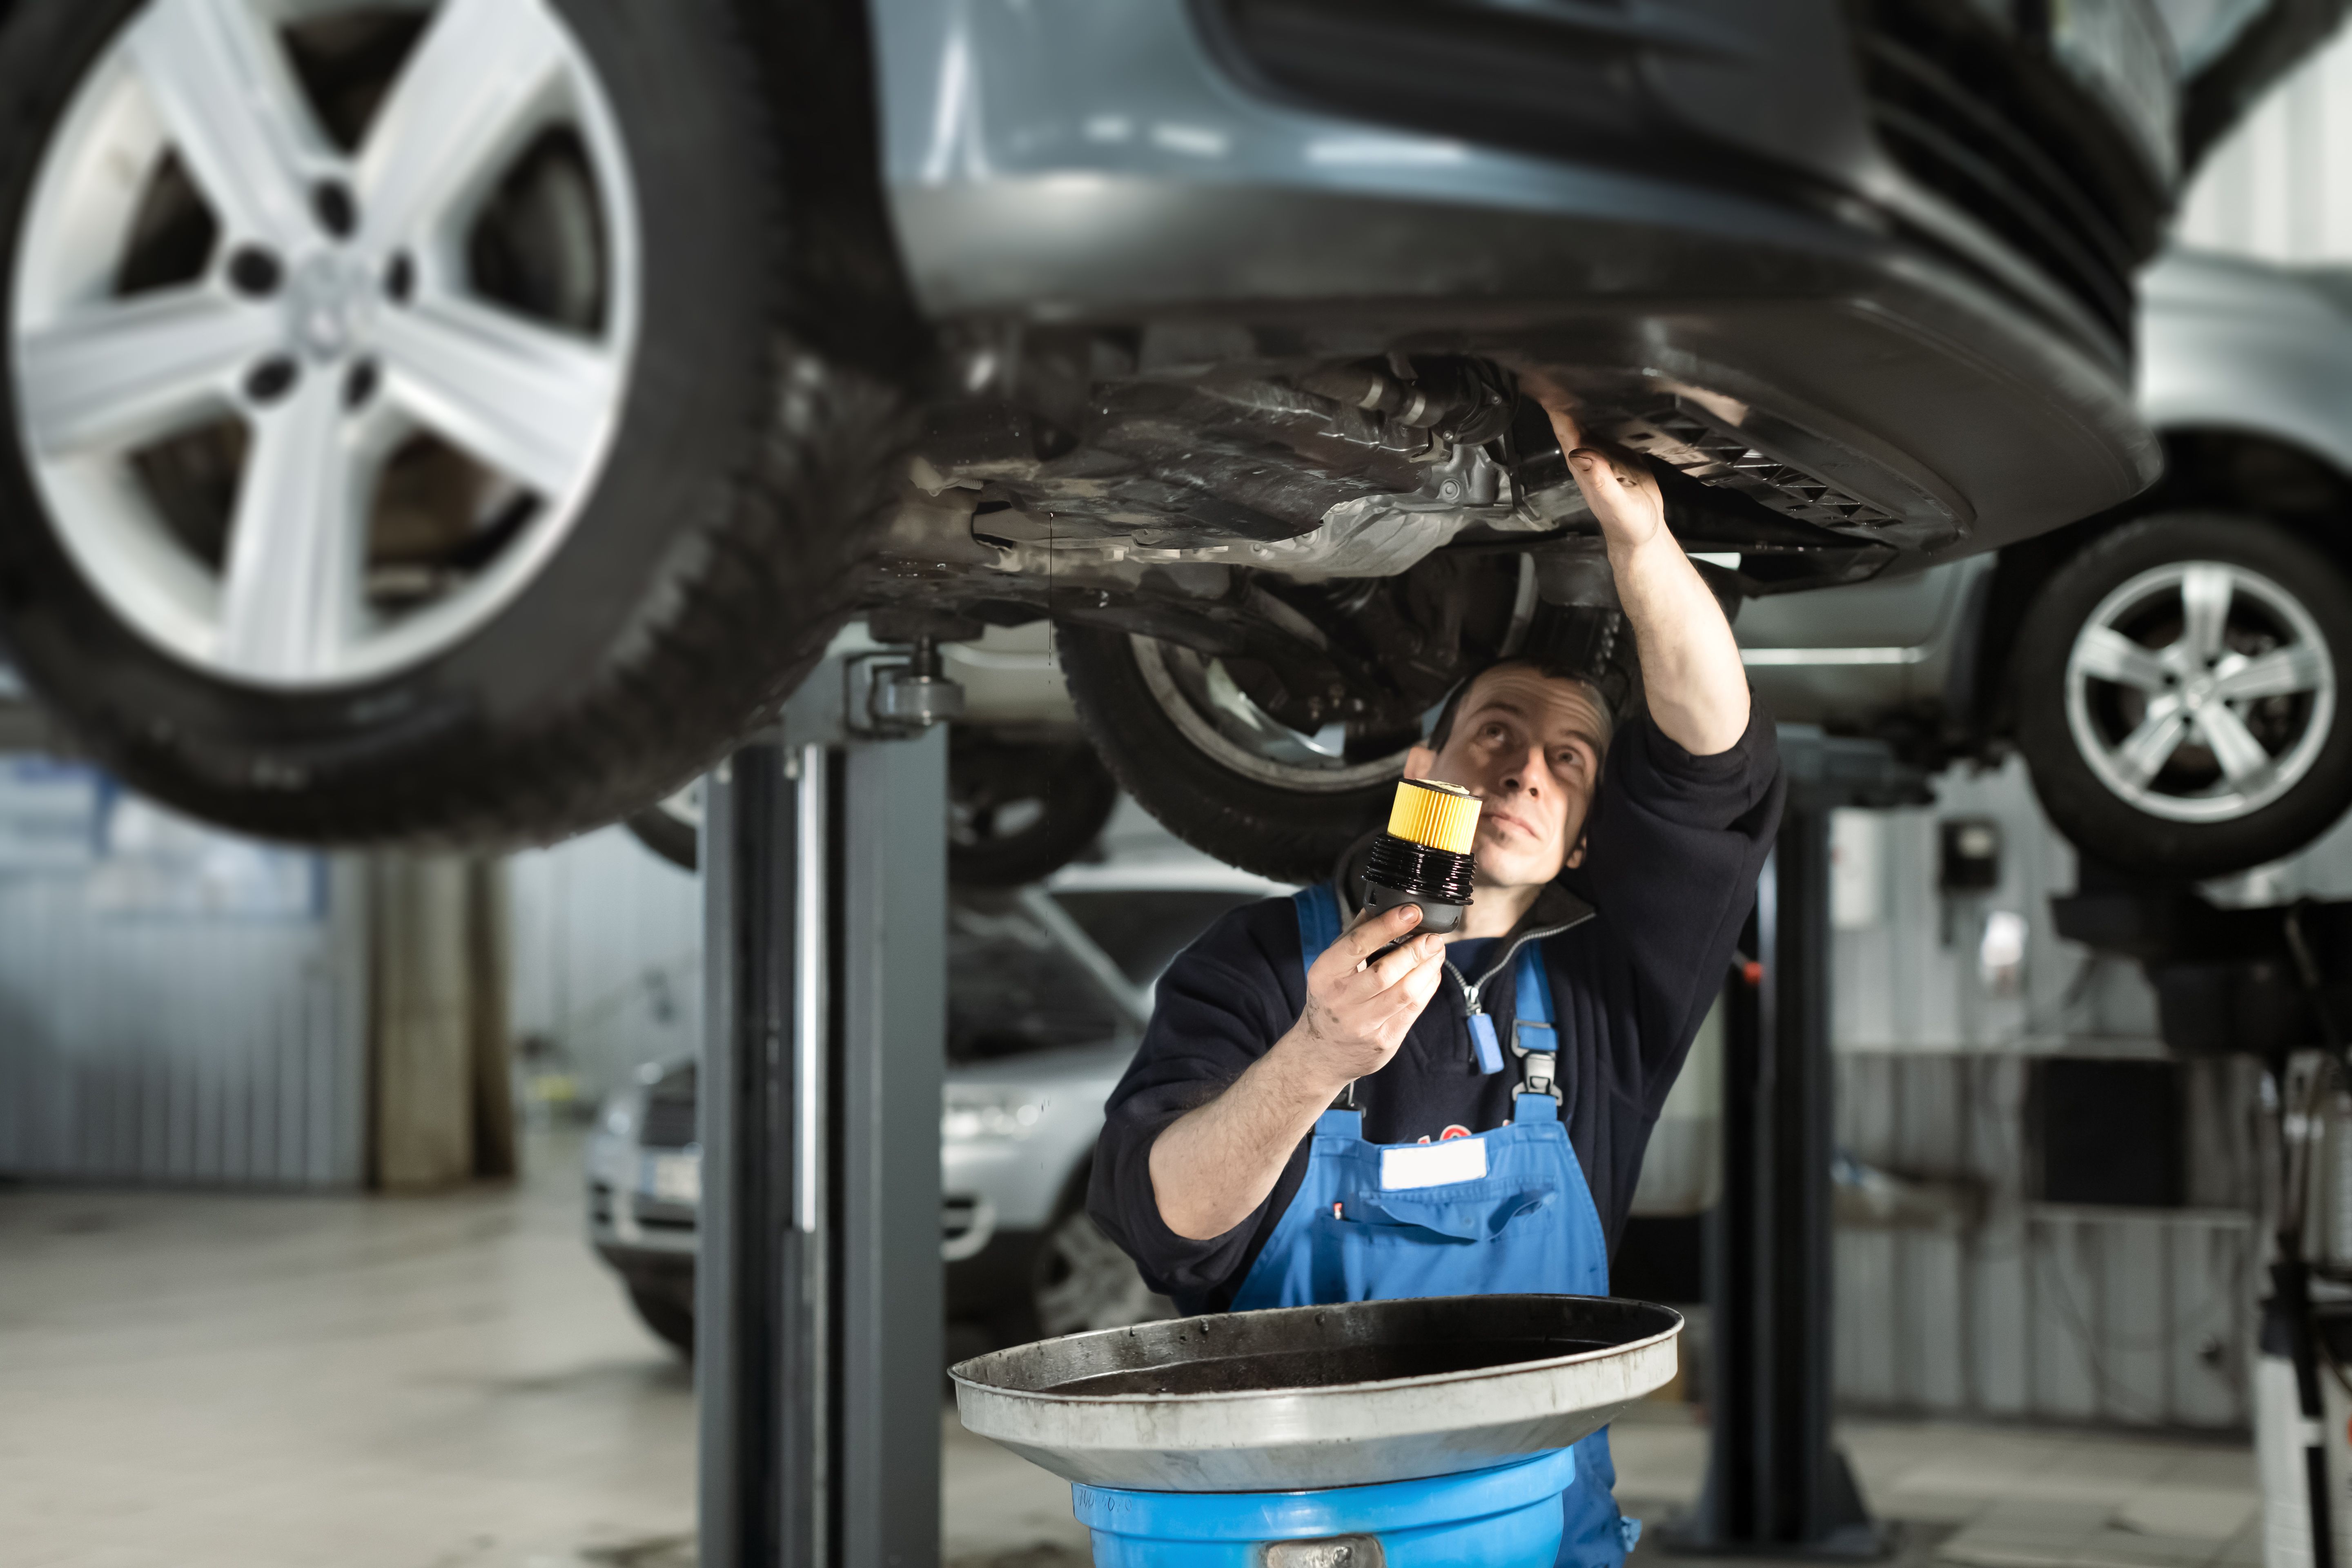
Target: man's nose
x=1527, y=772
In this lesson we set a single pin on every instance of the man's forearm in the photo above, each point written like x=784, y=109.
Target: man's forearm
x=1214, y=1166
x=1695, y=687
x=1692, y=679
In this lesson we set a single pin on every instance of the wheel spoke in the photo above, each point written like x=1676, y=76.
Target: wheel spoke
x=291, y=602
x=534, y=403
x=2298, y=667
x=2105, y=654
x=115, y=376
x=2144, y=752
x=2206, y=590
x=2234, y=747
x=223, y=88
x=474, y=86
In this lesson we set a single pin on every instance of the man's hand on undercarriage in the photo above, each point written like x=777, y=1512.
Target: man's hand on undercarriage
x=1691, y=674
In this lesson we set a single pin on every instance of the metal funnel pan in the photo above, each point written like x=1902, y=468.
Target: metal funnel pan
x=1301, y=1397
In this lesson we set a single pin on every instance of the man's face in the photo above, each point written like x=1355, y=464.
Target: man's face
x=1529, y=745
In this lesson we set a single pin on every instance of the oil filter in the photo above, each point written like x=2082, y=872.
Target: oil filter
x=1424, y=857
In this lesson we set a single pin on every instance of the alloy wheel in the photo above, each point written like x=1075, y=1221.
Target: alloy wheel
x=323, y=318
x=1217, y=716
x=2201, y=691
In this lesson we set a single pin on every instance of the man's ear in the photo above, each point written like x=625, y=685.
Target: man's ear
x=1575, y=856
x=1419, y=761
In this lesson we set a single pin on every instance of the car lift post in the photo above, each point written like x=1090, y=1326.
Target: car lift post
x=818, y=1287
x=1775, y=1485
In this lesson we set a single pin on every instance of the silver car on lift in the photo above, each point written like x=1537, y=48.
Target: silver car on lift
x=2175, y=670
x=1048, y=988
x=459, y=419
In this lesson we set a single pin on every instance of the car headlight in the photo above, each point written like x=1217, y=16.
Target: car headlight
x=969, y=1115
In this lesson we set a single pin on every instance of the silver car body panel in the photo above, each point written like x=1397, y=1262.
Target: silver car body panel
x=1023, y=137
x=1837, y=652
x=1015, y=1182
x=2235, y=345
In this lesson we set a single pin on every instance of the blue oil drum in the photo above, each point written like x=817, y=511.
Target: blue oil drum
x=1507, y=1517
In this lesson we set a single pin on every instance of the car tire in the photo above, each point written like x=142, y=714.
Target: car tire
x=1290, y=821
x=668, y=835
x=2215, y=647
x=1020, y=810
x=671, y=1319
x=1079, y=1280
x=671, y=827
x=701, y=562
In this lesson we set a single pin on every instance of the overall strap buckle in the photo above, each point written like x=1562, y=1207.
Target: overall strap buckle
x=1537, y=1047
x=1533, y=1038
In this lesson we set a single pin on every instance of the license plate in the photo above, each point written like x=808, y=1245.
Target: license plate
x=673, y=1179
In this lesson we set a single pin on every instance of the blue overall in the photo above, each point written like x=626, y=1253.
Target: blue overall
x=1374, y=1222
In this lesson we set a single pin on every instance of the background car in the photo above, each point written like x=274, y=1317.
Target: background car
x=1048, y=988
x=2174, y=671
x=460, y=421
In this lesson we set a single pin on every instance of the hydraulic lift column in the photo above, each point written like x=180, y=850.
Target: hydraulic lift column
x=818, y=1292
x=1775, y=1483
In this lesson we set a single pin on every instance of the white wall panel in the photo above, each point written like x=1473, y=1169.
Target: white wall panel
x=1913, y=979
x=2279, y=187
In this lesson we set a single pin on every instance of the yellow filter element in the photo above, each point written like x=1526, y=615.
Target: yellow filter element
x=1435, y=816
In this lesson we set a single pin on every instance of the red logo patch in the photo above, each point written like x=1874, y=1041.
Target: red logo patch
x=1456, y=1130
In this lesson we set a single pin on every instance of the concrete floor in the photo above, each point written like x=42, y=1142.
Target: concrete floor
x=208, y=1380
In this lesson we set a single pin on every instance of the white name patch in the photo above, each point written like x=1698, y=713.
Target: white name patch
x=1434, y=1164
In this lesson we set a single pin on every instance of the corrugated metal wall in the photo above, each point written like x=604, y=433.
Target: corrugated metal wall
x=1987, y=1302
x=607, y=951
x=175, y=1005
x=2005, y=1306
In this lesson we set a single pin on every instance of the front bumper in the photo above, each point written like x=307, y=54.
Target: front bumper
x=1070, y=161
x=620, y=1220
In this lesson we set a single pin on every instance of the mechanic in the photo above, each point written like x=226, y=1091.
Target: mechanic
x=1613, y=876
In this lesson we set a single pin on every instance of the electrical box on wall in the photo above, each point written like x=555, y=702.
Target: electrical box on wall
x=1969, y=857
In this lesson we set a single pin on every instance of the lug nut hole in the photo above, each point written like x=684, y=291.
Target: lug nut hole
x=254, y=272
x=359, y=383
x=331, y=202
x=272, y=379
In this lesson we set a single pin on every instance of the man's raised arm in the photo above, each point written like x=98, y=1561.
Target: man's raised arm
x=1691, y=674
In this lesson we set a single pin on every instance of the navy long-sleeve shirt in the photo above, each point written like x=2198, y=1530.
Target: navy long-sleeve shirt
x=1674, y=843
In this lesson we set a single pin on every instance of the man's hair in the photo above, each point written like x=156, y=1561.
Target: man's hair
x=1443, y=731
